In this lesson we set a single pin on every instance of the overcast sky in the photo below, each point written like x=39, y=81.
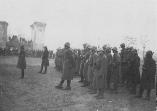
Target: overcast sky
x=79, y=21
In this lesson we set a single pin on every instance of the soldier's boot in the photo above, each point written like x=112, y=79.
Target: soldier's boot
x=85, y=84
x=45, y=70
x=148, y=95
x=68, y=88
x=100, y=94
x=60, y=86
x=22, y=73
x=115, y=89
x=90, y=86
x=140, y=93
x=68, y=85
x=94, y=91
x=41, y=69
x=133, y=90
x=81, y=79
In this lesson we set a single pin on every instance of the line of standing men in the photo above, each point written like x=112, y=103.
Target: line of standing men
x=99, y=70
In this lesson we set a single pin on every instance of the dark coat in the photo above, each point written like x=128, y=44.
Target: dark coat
x=90, y=68
x=68, y=64
x=86, y=63
x=134, y=70
x=78, y=62
x=21, y=60
x=45, y=60
x=101, y=71
x=148, y=74
x=115, y=69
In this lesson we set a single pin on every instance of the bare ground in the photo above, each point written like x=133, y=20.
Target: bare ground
x=36, y=92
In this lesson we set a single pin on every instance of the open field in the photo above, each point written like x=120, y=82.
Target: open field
x=36, y=92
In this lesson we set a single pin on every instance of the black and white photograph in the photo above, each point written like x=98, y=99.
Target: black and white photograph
x=78, y=55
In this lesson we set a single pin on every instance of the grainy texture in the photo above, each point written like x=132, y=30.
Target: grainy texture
x=36, y=92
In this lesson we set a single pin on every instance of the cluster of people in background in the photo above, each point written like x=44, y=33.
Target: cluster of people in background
x=107, y=69
x=39, y=53
x=9, y=51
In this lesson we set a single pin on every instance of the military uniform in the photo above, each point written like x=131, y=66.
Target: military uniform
x=45, y=60
x=78, y=62
x=58, y=59
x=81, y=68
x=109, y=69
x=68, y=67
x=135, y=73
x=91, y=66
x=85, y=69
x=124, y=65
x=148, y=75
x=68, y=64
x=21, y=64
x=115, y=71
x=101, y=73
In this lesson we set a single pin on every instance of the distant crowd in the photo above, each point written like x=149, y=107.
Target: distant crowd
x=29, y=53
x=8, y=52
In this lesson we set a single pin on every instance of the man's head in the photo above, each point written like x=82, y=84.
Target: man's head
x=93, y=49
x=149, y=54
x=67, y=45
x=122, y=45
x=104, y=47
x=108, y=50
x=45, y=48
x=115, y=50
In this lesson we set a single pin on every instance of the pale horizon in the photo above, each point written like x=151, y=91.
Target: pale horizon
x=84, y=21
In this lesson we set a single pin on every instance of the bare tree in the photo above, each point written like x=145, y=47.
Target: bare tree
x=130, y=41
x=144, y=43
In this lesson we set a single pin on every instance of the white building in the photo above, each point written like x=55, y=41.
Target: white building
x=3, y=33
x=38, y=30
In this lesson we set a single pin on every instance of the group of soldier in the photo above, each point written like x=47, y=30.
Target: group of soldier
x=107, y=69
x=39, y=53
x=21, y=63
x=8, y=52
x=30, y=53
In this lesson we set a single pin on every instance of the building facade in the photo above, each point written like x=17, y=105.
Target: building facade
x=37, y=35
x=3, y=33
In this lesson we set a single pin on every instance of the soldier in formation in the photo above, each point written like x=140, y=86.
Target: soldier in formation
x=148, y=75
x=100, y=70
x=58, y=59
x=107, y=69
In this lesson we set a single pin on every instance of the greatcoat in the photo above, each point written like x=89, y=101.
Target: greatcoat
x=148, y=73
x=68, y=64
x=90, y=68
x=101, y=71
x=21, y=60
x=45, y=60
x=115, y=69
